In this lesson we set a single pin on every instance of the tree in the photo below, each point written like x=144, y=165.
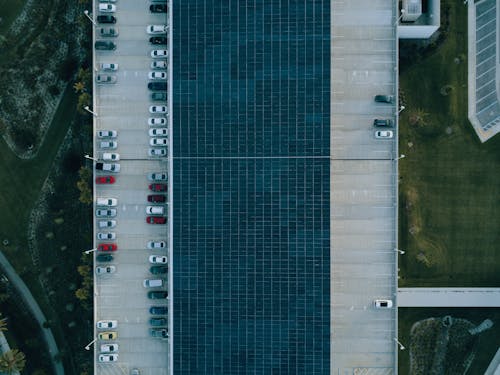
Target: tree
x=3, y=324
x=79, y=86
x=83, y=100
x=82, y=294
x=13, y=360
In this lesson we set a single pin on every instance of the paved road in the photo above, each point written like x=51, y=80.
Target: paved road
x=449, y=297
x=37, y=313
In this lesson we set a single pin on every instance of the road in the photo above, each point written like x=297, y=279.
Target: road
x=37, y=313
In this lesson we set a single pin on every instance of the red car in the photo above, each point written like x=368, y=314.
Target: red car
x=158, y=187
x=156, y=220
x=105, y=180
x=107, y=247
x=156, y=198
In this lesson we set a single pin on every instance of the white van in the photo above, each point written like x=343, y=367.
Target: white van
x=155, y=210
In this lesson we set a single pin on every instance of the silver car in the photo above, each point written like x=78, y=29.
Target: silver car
x=102, y=212
x=157, y=176
x=157, y=152
x=106, y=236
x=105, y=78
x=109, y=66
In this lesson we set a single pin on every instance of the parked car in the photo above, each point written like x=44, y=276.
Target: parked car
x=384, y=98
x=158, y=86
x=107, y=31
x=384, y=134
x=158, y=132
x=157, y=152
x=105, y=180
x=106, y=324
x=105, y=78
x=159, y=53
x=157, y=294
x=159, y=64
x=152, y=283
x=157, y=121
x=156, y=245
x=105, y=224
x=156, y=198
x=158, y=40
x=107, y=335
x=159, y=96
x=107, y=247
x=105, y=358
x=158, y=270
x=158, y=259
x=384, y=122
x=109, y=348
x=158, y=187
x=103, y=212
x=158, y=8
x=108, y=144
x=161, y=142
x=158, y=310
x=107, y=133
x=104, y=257
x=157, y=29
x=156, y=220
x=106, y=19
x=382, y=303
x=107, y=1
x=158, y=109
x=110, y=156
x=161, y=333
x=157, y=176
x=104, y=45
x=157, y=322
x=108, y=167
x=109, y=202
x=100, y=270
x=107, y=8
x=155, y=210
x=157, y=75
x=106, y=236
x=109, y=66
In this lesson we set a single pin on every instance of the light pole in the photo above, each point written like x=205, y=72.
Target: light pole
x=90, y=157
x=401, y=109
x=401, y=347
x=402, y=156
x=90, y=251
x=90, y=344
x=87, y=108
x=401, y=16
x=399, y=251
x=86, y=12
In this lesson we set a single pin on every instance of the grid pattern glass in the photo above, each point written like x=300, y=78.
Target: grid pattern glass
x=251, y=112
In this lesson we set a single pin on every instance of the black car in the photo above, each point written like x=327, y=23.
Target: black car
x=159, y=86
x=158, y=40
x=158, y=310
x=384, y=98
x=158, y=8
x=104, y=258
x=157, y=270
x=158, y=322
x=157, y=294
x=385, y=122
x=104, y=45
x=161, y=96
x=106, y=19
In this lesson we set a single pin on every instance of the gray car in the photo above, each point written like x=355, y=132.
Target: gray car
x=104, y=45
x=108, y=31
x=105, y=78
x=161, y=333
x=384, y=98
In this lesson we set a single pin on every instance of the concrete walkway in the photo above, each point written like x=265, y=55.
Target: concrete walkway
x=37, y=313
x=449, y=297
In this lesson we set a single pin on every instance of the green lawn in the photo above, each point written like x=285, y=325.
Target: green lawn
x=488, y=343
x=450, y=182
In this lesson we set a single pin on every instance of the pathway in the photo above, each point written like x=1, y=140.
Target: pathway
x=449, y=297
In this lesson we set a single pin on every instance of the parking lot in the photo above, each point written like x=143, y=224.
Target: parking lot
x=122, y=106
x=363, y=188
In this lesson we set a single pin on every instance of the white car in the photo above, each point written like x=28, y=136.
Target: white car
x=108, y=202
x=103, y=224
x=162, y=142
x=108, y=145
x=158, y=109
x=105, y=358
x=152, y=283
x=157, y=29
x=157, y=152
x=105, y=212
x=102, y=270
x=109, y=348
x=157, y=121
x=382, y=303
x=110, y=156
x=159, y=53
x=158, y=132
x=158, y=259
x=107, y=8
x=157, y=244
x=106, y=236
x=113, y=67
x=105, y=78
x=157, y=176
x=384, y=134
x=159, y=64
x=103, y=324
x=108, y=167
x=157, y=75
x=155, y=210
x=107, y=134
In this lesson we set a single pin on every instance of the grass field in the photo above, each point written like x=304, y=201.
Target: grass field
x=488, y=344
x=449, y=181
